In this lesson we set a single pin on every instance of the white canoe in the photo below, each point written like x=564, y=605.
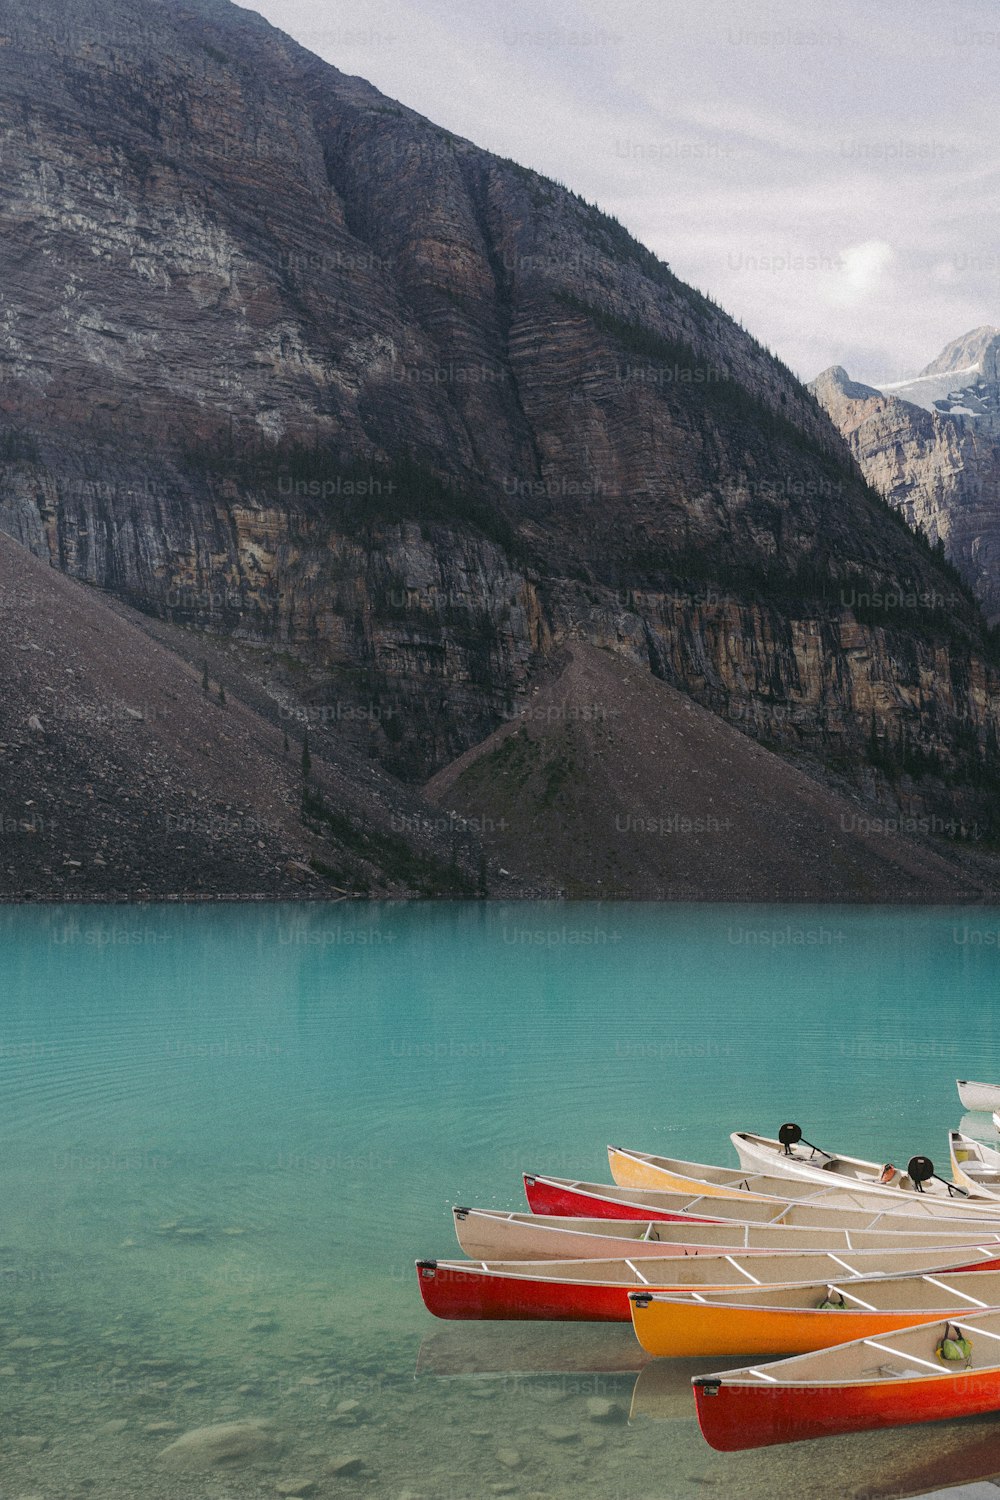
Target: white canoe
x=981, y=1096
x=631, y=1169
x=801, y=1160
x=975, y=1165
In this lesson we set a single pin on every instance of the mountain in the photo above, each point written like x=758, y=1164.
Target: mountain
x=975, y=351
x=931, y=445
x=285, y=365
x=610, y=783
x=962, y=380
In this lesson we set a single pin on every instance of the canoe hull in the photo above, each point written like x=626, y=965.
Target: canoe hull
x=466, y=1294
x=694, y=1330
x=743, y=1416
x=979, y=1096
x=629, y=1172
x=551, y=1198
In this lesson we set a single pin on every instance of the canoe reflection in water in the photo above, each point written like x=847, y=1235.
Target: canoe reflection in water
x=487, y=1349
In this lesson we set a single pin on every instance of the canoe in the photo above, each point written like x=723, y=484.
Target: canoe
x=642, y=1169
x=495, y=1234
x=979, y=1096
x=800, y=1160
x=564, y=1195
x=797, y=1320
x=598, y=1290
x=817, y=1207
x=905, y=1461
x=672, y=1174
x=870, y=1383
x=974, y=1165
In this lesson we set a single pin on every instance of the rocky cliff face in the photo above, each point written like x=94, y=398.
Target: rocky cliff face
x=280, y=358
x=932, y=447
x=131, y=770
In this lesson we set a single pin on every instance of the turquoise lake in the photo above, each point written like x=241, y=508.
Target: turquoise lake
x=227, y=1132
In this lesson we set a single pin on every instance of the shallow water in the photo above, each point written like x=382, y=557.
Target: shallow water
x=228, y=1132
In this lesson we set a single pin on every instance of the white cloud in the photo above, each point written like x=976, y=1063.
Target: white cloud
x=864, y=266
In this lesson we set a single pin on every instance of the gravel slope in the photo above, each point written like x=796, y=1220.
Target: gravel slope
x=612, y=783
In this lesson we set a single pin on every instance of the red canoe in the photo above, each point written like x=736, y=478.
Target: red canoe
x=598, y=1290
x=889, y=1381
x=592, y=1200
x=561, y=1197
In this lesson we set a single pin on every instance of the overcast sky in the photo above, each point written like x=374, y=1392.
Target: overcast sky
x=831, y=178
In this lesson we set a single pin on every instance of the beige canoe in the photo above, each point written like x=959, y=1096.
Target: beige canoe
x=491, y=1234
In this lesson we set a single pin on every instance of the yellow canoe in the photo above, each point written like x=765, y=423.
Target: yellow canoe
x=798, y=1319
x=638, y=1169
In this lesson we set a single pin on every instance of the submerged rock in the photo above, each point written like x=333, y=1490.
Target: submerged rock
x=350, y=1463
x=600, y=1409
x=223, y=1443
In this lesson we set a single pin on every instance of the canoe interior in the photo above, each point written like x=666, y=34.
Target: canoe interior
x=973, y=1160
x=918, y=1294
x=909, y=1354
x=710, y=1270
x=852, y=1168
